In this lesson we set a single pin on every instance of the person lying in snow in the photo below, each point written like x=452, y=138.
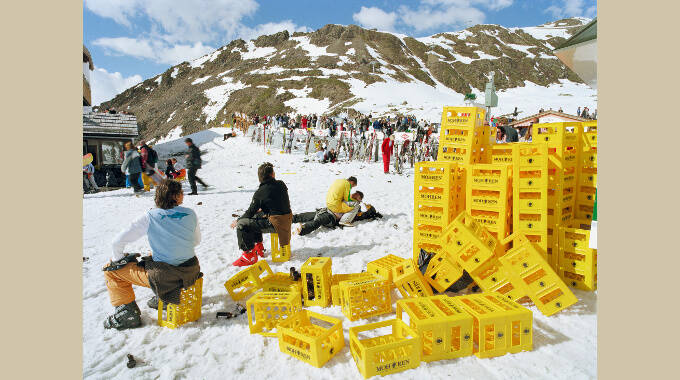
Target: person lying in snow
x=338, y=198
x=269, y=211
x=173, y=233
x=307, y=222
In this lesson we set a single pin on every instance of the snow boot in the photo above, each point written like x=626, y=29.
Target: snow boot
x=247, y=258
x=153, y=303
x=259, y=248
x=125, y=317
x=297, y=229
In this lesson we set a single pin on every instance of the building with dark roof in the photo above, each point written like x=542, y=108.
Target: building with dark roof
x=104, y=135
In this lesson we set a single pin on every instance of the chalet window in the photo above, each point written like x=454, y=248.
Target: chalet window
x=112, y=152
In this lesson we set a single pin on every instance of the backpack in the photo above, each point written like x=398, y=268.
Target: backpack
x=152, y=156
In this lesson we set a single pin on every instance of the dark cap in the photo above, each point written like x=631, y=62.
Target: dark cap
x=188, y=139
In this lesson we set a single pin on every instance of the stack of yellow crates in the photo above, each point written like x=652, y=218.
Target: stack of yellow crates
x=587, y=172
x=563, y=141
x=489, y=197
x=439, y=195
x=463, y=137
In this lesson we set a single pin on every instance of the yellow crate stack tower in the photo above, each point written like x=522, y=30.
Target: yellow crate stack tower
x=586, y=172
x=563, y=141
x=463, y=137
x=489, y=198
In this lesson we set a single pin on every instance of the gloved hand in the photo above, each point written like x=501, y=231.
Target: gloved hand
x=115, y=265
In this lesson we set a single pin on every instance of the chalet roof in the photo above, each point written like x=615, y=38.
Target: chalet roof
x=586, y=33
x=87, y=57
x=545, y=113
x=98, y=124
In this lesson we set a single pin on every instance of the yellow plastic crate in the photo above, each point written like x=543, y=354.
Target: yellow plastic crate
x=460, y=154
x=445, y=329
x=467, y=242
x=188, y=310
x=525, y=264
x=489, y=176
x=409, y=281
x=589, y=159
x=311, y=337
x=279, y=254
x=434, y=173
x=365, y=298
x=279, y=282
x=557, y=134
x=492, y=276
x=519, y=321
x=316, y=281
x=266, y=309
x=503, y=153
x=336, y=299
x=438, y=195
x=247, y=281
x=383, y=266
x=441, y=273
x=426, y=232
x=383, y=355
x=497, y=328
x=577, y=261
x=463, y=116
x=434, y=215
x=530, y=192
x=427, y=246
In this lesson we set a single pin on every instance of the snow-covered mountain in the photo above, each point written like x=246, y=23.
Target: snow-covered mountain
x=336, y=67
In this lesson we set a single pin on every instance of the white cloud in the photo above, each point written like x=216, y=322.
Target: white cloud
x=571, y=8
x=106, y=85
x=155, y=50
x=179, y=20
x=374, y=17
x=270, y=28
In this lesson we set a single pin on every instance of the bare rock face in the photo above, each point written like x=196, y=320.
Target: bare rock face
x=262, y=75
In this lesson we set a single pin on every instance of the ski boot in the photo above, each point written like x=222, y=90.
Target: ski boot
x=153, y=303
x=247, y=258
x=259, y=248
x=126, y=316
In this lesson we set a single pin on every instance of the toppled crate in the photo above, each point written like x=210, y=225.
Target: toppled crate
x=525, y=264
x=364, y=298
x=409, y=281
x=311, y=337
x=266, y=309
x=247, y=281
x=445, y=329
x=335, y=284
x=441, y=273
x=500, y=325
x=382, y=267
x=383, y=355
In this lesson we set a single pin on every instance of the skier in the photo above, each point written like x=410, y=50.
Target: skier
x=194, y=162
x=338, y=200
x=387, y=146
x=132, y=165
x=149, y=159
x=173, y=233
x=88, y=173
x=269, y=212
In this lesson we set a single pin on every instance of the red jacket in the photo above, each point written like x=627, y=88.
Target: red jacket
x=387, y=146
x=304, y=123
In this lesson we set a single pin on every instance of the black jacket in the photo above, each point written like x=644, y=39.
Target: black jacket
x=271, y=197
x=194, y=159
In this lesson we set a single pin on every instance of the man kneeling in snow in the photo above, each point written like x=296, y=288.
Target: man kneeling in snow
x=173, y=233
x=311, y=221
x=269, y=212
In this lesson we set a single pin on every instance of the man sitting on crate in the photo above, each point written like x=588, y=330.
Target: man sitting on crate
x=173, y=233
x=269, y=212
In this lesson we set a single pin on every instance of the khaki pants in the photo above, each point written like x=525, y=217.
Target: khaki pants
x=119, y=283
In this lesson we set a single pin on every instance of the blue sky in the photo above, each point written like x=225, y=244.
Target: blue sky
x=132, y=40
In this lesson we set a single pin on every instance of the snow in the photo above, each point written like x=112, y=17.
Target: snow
x=255, y=52
x=344, y=59
x=565, y=345
x=196, y=63
x=300, y=93
x=201, y=80
x=338, y=72
x=313, y=51
x=270, y=70
x=174, y=134
x=465, y=60
x=174, y=73
x=158, y=80
x=544, y=33
x=348, y=43
x=522, y=48
x=218, y=96
x=171, y=116
x=350, y=51
x=293, y=77
x=483, y=55
x=375, y=55
x=306, y=106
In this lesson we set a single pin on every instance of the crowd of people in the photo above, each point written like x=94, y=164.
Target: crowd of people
x=173, y=232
